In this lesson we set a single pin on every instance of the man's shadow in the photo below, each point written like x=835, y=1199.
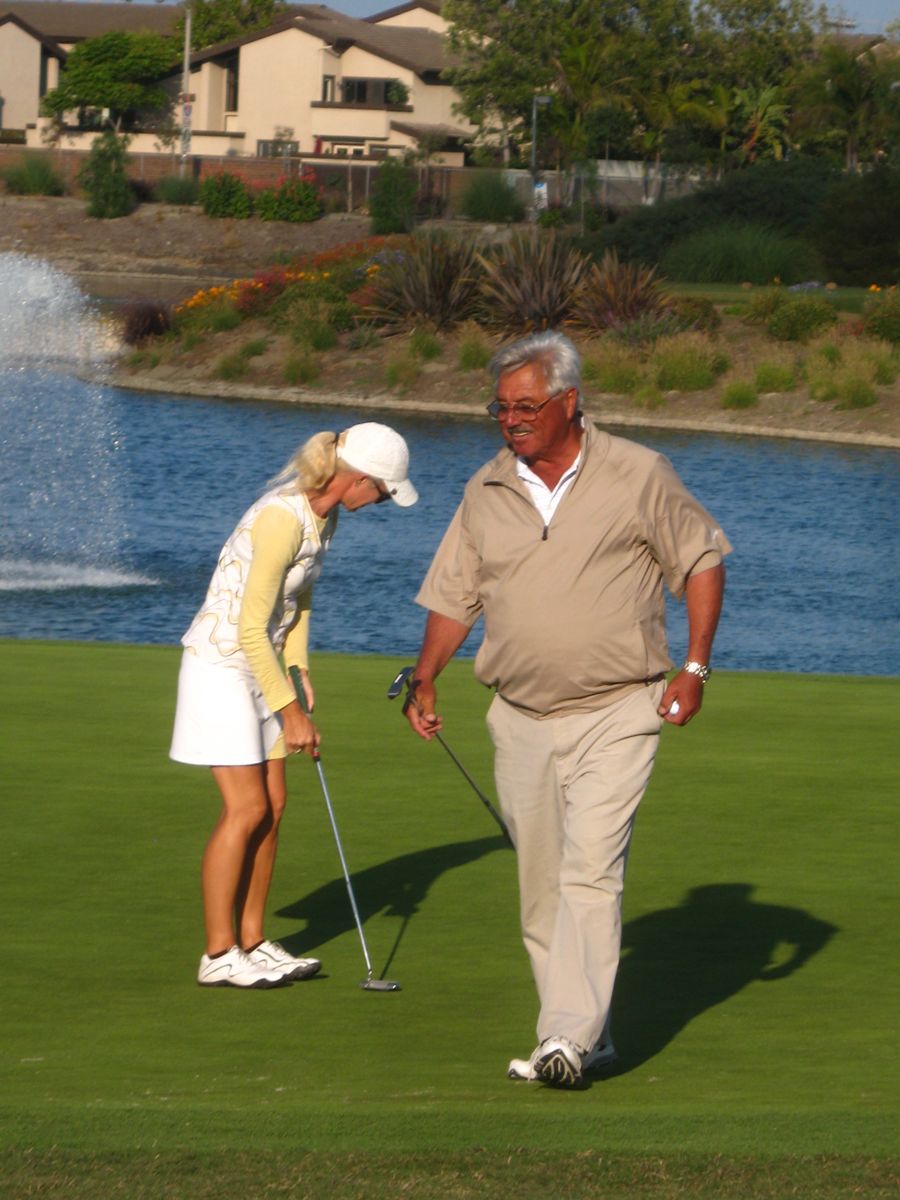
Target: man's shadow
x=396, y=887
x=679, y=962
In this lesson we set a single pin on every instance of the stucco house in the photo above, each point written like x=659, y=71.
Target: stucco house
x=316, y=82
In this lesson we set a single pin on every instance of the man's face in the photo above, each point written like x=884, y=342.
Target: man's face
x=551, y=429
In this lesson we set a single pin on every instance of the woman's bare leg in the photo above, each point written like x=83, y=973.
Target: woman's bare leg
x=245, y=806
x=259, y=863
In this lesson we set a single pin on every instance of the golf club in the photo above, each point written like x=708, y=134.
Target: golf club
x=369, y=984
x=404, y=677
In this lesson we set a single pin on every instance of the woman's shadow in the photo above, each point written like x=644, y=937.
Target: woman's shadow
x=679, y=962
x=396, y=887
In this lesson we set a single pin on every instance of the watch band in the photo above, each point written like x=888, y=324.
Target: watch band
x=701, y=670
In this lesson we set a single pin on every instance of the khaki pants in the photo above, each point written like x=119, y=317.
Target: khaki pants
x=569, y=788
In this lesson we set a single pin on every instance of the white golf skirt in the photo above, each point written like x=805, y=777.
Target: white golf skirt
x=221, y=718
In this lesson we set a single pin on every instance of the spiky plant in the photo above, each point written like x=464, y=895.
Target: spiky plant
x=434, y=283
x=616, y=293
x=529, y=283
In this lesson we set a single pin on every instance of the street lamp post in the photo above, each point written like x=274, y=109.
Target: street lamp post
x=186, y=97
x=536, y=101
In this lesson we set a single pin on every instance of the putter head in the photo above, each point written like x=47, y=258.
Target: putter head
x=380, y=985
x=397, y=686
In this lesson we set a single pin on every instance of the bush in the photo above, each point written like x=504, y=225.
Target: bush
x=695, y=312
x=613, y=293
x=855, y=392
x=402, y=371
x=553, y=217
x=647, y=329
x=231, y=366
x=293, y=200
x=881, y=317
x=532, y=282
x=489, y=197
x=617, y=370
x=313, y=310
x=855, y=229
x=103, y=177
x=729, y=253
x=798, y=319
x=301, y=369
x=392, y=202
x=782, y=196
x=775, y=377
x=687, y=363
x=35, y=175
x=474, y=352
x=424, y=345
x=762, y=305
x=739, y=394
x=433, y=281
x=175, y=189
x=144, y=319
x=225, y=195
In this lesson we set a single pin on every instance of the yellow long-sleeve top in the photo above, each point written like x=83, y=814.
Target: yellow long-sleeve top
x=259, y=598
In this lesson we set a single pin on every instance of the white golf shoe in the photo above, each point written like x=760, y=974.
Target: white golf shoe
x=234, y=968
x=558, y=1056
x=273, y=957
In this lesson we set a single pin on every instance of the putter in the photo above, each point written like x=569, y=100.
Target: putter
x=403, y=677
x=369, y=984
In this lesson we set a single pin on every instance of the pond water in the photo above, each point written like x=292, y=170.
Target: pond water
x=115, y=505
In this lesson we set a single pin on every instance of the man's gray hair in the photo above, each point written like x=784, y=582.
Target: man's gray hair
x=557, y=357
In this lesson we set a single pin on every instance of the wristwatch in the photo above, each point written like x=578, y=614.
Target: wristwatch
x=701, y=670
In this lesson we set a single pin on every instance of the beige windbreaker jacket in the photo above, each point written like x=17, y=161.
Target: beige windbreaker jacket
x=574, y=612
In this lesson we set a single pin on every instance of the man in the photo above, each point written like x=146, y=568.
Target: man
x=563, y=542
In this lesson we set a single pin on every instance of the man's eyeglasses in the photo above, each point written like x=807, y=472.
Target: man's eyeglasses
x=526, y=412
x=383, y=493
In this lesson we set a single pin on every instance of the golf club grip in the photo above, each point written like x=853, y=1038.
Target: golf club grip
x=297, y=681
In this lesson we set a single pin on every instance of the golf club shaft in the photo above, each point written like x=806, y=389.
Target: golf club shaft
x=477, y=790
x=405, y=677
x=316, y=757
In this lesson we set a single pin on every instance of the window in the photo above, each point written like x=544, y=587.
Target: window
x=374, y=92
x=327, y=89
x=230, y=64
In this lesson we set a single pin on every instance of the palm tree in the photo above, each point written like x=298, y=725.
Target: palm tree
x=850, y=94
x=764, y=117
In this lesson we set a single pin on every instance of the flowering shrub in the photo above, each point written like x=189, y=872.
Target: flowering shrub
x=291, y=200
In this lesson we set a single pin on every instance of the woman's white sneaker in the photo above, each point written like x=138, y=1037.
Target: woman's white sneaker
x=272, y=956
x=234, y=968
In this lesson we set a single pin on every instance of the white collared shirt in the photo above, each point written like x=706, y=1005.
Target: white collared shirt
x=546, y=501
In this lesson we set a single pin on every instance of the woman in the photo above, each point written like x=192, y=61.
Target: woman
x=237, y=712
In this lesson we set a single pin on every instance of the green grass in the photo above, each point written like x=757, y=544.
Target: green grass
x=845, y=299
x=754, y=1017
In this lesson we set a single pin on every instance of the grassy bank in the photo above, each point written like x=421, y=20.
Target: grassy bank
x=753, y=1015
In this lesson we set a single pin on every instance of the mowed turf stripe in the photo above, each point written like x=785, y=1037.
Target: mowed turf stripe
x=754, y=1015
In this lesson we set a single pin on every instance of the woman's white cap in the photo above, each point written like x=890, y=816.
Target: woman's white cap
x=382, y=453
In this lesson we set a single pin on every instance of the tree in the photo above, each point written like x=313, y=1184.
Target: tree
x=584, y=54
x=755, y=43
x=214, y=21
x=764, y=117
x=853, y=96
x=117, y=72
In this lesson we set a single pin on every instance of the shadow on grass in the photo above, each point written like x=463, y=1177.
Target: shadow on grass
x=395, y=887
x=679, y=962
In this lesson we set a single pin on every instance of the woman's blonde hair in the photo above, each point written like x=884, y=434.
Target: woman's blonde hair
x=313, y=464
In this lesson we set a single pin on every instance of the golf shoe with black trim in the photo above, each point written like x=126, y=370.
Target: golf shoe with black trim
x=273, y=957
x=557, y=1062
x=234, y=968
x=593, y=1062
